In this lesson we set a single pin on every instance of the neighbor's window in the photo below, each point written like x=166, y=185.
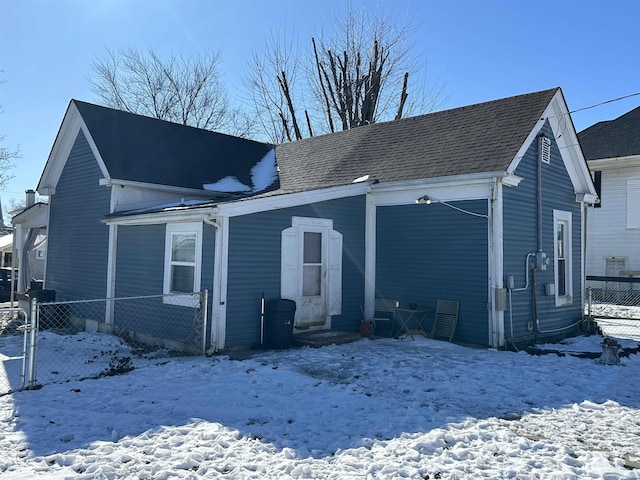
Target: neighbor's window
x=633, y=202
x=183, y=252
x=597, y=182
x=562, y=257
x=614, y=265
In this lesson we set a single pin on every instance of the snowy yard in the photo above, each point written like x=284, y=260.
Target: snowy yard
x=371, y=409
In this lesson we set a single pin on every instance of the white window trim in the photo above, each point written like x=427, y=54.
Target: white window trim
x=633, y=202
x=185, y=300
x=563, y=216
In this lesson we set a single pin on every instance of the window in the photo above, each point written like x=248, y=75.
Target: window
x=183, y=255
x=633, y=203
x=614, y=265
x=597, y=182
x=312, y=264
x=562, y=257
x=40, y=253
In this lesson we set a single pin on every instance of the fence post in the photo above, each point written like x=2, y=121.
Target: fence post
x=27, y=329
x=32, y=346
x=590, y=302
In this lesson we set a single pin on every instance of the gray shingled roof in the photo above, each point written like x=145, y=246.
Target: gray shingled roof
x=143, y=149
x=477, y=138
x=614, y=138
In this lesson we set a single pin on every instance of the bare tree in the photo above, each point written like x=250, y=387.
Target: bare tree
x=7, y=157
x=186, y=90
x=270, y=87
x=356, y=75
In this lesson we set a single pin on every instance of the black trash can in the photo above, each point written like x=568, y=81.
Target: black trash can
x=43, y=295
x=278, y=323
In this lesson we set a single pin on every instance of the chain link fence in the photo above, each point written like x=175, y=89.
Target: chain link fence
x=13, y=344
x=94, y=338
x=614, y=304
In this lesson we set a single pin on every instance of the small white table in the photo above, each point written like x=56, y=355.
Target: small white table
x=408, y=317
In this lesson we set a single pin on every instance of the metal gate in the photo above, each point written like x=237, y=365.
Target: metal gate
x=17, y=350
x=614, y=304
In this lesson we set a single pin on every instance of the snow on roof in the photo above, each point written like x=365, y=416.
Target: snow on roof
x=263, y=175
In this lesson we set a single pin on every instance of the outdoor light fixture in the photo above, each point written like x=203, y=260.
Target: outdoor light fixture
x=424, y=199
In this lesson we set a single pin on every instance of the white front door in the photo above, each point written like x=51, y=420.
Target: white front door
x=313, y=311
x=311, y=272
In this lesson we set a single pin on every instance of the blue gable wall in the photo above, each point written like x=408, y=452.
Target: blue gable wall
x=254, y=264
x=77, y=241
x=430, y=252
x=521, y=237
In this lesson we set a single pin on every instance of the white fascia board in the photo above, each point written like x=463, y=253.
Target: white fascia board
x=113, y=182
x=276, y=202
x=71, y=125
x=631, y=161
x=557, y=113
x=245, y=207
x=35, y=215
x=448, y=189
x=186, y=215
x=586, y=198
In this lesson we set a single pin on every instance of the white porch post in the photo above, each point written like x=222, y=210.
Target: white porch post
x=370, y=256
x=496, y=265
x=219, y=293
x=111, y=272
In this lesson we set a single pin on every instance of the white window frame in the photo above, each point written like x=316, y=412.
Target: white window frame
x=184, y=299
x=566, y=218
x=40, y=254
x=633, y=203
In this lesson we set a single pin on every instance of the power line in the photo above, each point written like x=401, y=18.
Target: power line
x=605, y=102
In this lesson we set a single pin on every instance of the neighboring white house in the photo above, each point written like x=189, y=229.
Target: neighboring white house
x=612, y=150
x=6, y=250
x=30, y=241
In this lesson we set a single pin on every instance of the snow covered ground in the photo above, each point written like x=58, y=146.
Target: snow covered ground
x=416, y=409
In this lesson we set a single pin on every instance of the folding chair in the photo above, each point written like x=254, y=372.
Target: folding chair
x=384, y=312
x=444, y=325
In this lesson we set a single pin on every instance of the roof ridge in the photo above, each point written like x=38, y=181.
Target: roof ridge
x=439, y=112
x=169, y=122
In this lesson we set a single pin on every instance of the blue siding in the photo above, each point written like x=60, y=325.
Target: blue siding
x=254, y=264
x=521, y=237
x=425, y=253
x=140, y=272
x=77, y=240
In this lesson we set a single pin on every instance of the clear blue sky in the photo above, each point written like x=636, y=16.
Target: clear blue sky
x=483, y=49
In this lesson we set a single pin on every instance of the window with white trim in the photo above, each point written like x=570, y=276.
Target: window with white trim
x=182, y=264
x=633, y=203
x=562, y=257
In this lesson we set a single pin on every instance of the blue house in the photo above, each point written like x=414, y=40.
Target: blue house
x=483, y=204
